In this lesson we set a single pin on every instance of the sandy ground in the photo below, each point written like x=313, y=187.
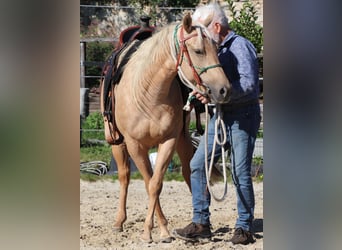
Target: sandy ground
x=98, y=206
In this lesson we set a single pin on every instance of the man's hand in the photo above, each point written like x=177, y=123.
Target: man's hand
x=202, y=98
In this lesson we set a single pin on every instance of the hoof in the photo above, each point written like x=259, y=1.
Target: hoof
x=167, y=240
x=146, y=240
x=117, y=229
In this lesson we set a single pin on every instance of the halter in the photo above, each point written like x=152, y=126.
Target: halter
x=183, y=50
x=219, y=124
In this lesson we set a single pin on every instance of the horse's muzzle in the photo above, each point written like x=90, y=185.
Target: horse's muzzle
x=219, y=95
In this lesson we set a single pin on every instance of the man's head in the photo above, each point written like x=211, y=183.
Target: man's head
x=214, y=19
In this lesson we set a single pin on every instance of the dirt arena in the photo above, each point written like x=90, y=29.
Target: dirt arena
x=98, y=206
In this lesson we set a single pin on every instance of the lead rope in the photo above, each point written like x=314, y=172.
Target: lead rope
x=219, y=124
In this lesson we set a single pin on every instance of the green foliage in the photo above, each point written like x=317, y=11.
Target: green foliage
x=244, y=23
x=258, y=161
x=136, y=176
x=176, y=161
x=260, y=134
x=169, y=176
x=94, y=121
x=192, y=126
x=96, y=52
x=260, y=177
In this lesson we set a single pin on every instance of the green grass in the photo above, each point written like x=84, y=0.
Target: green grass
x=96, y=153
x=169, y=176
x=174, y=175
x=89, y=177
x=103, y=153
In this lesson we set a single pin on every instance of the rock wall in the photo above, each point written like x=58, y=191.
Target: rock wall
x=104, y=22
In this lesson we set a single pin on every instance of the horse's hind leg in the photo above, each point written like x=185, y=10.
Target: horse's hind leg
x=185, y=151
x=121, y=157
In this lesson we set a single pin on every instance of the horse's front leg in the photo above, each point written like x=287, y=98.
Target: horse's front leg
x=165, y=153
x=121, y=157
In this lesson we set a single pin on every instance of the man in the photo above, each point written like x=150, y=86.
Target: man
x=241, y=116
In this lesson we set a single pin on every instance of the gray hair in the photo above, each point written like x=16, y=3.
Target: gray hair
x=209, y=14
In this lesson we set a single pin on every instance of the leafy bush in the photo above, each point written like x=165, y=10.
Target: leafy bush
x=260, y=134
x=94, y=121
x=96, y=52
x=244, y=23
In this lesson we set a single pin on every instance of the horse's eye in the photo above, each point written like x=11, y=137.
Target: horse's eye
x=199, y=52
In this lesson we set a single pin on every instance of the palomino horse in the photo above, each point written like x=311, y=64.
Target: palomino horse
x=148, y=109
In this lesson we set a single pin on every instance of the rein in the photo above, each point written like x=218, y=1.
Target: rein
x=182, y=50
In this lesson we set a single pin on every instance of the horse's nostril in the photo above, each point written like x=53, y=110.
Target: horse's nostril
x=223, y=91
x=209, y=91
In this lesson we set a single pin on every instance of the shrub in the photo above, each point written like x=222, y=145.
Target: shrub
x=244, y=23
x=93, y=122
x=96, y=52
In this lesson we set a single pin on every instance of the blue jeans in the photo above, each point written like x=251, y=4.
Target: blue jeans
x=241, y=126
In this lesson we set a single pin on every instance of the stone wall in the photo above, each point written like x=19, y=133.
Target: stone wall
x=108, y=22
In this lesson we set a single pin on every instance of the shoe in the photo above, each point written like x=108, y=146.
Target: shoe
x=242, y=237
x=193, y=232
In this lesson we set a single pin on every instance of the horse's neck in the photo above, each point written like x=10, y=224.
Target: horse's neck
x=153, y=89
x=160, y=83
x=159, y=69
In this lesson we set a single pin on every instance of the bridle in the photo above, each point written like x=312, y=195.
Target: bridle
x=180, y=51
x=219, y=124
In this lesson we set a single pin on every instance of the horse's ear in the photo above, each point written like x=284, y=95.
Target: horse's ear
x=187, y=21
x=208, y=20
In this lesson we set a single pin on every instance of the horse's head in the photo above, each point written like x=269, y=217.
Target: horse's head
x=197, y=61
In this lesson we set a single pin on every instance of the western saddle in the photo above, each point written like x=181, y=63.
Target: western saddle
x=131, y=38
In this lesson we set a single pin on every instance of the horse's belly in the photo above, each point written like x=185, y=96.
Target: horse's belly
x=140, y=128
